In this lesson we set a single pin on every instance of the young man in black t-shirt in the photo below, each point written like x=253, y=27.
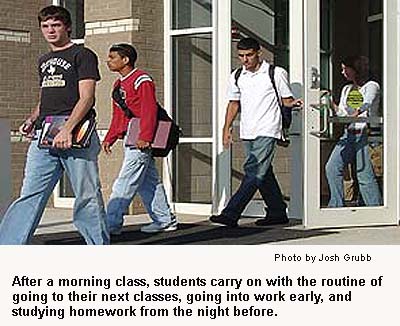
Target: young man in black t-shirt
x=68, y=76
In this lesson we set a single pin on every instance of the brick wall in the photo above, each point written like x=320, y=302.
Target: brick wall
x=96, y=10
x=20, y=45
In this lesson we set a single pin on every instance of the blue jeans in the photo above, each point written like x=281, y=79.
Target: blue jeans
x=43, y=169
x=138, y=174
x=350, y=148
x=258, y=175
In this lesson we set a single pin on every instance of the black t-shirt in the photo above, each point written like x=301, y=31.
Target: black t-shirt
x=59, y=74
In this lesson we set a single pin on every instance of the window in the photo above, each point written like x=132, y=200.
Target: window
x=76, y=8
x=191, y=14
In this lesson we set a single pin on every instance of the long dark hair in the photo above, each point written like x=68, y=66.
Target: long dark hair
x=360, y=64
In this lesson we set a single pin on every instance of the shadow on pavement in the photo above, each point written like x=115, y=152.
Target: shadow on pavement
x=202, y=233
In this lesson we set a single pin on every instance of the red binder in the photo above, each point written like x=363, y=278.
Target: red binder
x=160, y=138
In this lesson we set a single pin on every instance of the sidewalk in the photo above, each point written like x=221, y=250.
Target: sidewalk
x=56, y=228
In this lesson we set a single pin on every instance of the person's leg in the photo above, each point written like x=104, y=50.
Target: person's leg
x=125, y=186
x=367, y=183
x=334, y=169
x=155, y=201
x=42, y=171
x=82, y=169
x=272, y=195
x=260, y=153
x=273, y=198
x=264, y=149
x=247, y=187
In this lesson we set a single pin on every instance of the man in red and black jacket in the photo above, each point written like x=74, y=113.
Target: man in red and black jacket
x=138, y=172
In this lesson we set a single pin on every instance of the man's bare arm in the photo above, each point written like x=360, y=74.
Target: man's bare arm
x=231, y=113
x=26, y=128
x=292, y=102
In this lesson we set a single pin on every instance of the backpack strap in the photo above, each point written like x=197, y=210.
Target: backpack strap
x=280, y=103
x=237, y=75
x=117, y=97
x=271, y=72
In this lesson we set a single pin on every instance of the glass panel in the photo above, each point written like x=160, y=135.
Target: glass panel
x=76, y=8
x=268, y=22
x=326, y=42
x=351, y=149
x=192, y=84
x=192, y=173
x=191, y=13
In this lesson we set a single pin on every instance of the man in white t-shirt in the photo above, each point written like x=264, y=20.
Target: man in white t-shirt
x=260, y=129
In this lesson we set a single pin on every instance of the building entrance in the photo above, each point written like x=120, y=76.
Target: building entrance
x=348, y=157
x=324, y=184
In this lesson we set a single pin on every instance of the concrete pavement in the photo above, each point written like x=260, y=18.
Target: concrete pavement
x=56, y=228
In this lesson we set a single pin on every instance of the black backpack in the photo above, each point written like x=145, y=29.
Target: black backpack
x=162, y=115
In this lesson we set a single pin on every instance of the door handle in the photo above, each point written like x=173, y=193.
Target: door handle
x=325, y=114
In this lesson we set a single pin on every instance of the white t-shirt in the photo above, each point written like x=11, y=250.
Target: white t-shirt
x=260, y=113
x=370, y=107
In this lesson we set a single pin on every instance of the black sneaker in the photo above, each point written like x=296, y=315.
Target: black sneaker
x=225, y=220
x=269, y=221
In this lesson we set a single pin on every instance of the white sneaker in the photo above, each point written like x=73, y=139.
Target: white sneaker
x=157, y=227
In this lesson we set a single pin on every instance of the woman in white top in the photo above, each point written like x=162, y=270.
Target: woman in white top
x=359, y=98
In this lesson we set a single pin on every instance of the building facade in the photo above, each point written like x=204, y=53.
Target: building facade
x=188, y=46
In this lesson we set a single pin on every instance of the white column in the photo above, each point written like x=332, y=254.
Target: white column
x=296, y=72
x=167, y=163
x=222, y=67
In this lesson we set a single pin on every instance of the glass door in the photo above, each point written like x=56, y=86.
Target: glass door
x=189, y=97
x=351, y=101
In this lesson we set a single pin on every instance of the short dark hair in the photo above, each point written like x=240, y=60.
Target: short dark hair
x=125, y=50
x=360, y=64
x=55, y=12
x=248, y=43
